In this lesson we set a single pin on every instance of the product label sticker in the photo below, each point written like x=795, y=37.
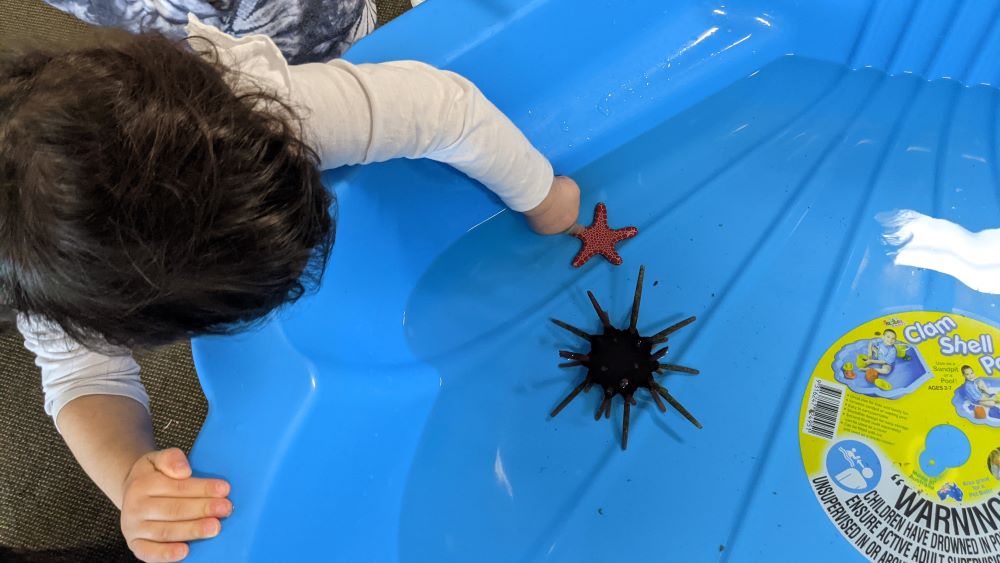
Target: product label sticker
x=900, y=437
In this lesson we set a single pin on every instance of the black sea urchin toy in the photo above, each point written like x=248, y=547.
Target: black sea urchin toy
x=622, y=361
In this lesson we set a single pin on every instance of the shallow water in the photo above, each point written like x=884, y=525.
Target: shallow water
x=756, y=211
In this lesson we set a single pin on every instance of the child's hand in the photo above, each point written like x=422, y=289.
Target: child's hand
x=163, y=506
x=559, y=211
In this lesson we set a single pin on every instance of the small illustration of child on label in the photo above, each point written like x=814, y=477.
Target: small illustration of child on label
x=978, y=399
x=882, y=366
x=880, y=358
x=993, y=463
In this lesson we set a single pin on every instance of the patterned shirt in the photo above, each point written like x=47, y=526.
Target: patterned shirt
x=304, y=30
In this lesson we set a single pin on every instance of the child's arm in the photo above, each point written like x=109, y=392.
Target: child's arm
x=100, y=409
x=358, y=114
x=107, y=434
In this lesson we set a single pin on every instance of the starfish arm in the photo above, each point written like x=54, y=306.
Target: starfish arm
x=601, y=214
x=612, y=257
x=624, y=234
x=583, y=256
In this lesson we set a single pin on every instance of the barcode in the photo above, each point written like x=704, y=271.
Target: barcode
x=823, y=414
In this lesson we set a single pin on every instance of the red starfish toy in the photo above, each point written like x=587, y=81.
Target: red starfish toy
x=598, y=238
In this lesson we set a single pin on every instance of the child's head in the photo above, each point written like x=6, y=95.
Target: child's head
x=142, y=200
x=968, y=373
x=889, y=337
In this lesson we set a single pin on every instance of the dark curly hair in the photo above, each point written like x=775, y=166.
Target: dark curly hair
x=143, y=200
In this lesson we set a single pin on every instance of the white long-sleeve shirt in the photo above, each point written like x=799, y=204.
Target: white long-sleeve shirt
x=352, y=114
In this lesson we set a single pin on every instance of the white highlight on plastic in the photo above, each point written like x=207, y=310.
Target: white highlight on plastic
x=502, y=475
x=975, y=157
x=704, y=35
x=484, y=221
x=735, y=43
x=946, y=247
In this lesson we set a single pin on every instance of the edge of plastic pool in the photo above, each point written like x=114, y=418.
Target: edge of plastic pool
x=304, y=461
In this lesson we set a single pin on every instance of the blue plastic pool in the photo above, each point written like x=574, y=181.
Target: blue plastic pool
x=401, y=414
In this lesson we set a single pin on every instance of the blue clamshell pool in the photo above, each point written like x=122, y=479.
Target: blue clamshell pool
x=402, y=412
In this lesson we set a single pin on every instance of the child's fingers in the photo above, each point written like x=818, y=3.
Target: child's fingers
x=155, y=552
x=168, y=532
x=178, y=509
x=162, y=486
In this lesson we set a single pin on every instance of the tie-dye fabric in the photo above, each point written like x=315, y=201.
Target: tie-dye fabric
x=304, y=30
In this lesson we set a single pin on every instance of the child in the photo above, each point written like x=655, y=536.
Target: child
x=881, y=355
x=977, y=390
x=994, y=463
x=149, y=193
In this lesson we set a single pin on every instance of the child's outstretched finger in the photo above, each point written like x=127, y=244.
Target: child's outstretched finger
x=180, y=509
x=154, y=552
x=168, y=532
x=188, y=488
